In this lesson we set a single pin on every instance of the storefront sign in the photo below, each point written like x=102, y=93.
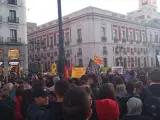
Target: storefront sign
x=13, y=54
x=13, y=63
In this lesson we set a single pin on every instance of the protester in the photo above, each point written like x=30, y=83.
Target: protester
x=134, y=106
x=132, y=77
x=36, y=109
x=92, y=82
x=18, y=100
x=77, y=105
x=150, y=96
x=138, y=86
x=107, y=108
x=54, y=112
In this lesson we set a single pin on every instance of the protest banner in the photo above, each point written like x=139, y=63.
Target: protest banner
x=117, y=69
x=54, y=69
x=78, y=72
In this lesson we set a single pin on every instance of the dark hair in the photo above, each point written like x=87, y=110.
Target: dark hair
x=20, y=90
x=132, y=73
x=61, y=87
x=138, y=84
x=76, y=104
x=130, y=87
x=107, y=92
x=38, y=84
x=155, y=75
x=94, y=77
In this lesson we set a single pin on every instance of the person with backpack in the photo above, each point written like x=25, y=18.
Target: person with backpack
x=150, y=96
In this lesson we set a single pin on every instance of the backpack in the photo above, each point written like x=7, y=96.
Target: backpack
x=151, y=106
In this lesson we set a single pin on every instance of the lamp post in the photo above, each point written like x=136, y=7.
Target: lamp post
x=61, y=47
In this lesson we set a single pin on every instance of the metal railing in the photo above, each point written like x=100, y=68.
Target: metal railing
x=1, y=40
x=79, y=40
x=105, y=52
x=13, y=19
x=104, y=39
x=13, y=40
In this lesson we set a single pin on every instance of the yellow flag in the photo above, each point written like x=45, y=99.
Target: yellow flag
x=54, y=69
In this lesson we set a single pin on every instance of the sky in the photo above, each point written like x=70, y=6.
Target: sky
x=43, y=11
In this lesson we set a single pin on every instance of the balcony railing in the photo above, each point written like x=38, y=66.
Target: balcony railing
x=14, y=41
x=144, y=42
x=67, y=43
x=132, y=53
x=131, y=41
x=79, y=54
x=12, y=2
x=0, y=18
x=51, y=46
x=105, y=52
x=1, y=40
x=125, y=52
x=115, y=39
x=138, y=41
x=68, y=55
x=79, y=40
x=138, y=52
x=104, y=39
x=123, y=40
x=13, y=20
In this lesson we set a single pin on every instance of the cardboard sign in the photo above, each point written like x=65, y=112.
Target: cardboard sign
x=78, y=72
x=117, y=69
x=54, y=69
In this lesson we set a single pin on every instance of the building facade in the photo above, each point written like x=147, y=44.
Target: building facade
x=117, y=39
x=13, y=37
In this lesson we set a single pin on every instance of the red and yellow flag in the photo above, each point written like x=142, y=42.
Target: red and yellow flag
x=98, y=60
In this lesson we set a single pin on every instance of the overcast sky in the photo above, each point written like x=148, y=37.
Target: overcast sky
x=42, y=11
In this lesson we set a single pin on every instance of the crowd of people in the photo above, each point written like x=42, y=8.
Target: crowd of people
x=53, y=98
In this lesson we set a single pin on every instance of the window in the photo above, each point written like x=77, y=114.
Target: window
x=79, y=33
x=125, y=63
x=13, y=35
x=114, y=33
x=103, y=31
x=51, y=41
x=67, y=36
x=14, y=2
x=104, y=48
x=150, y=37
x=143, y=37
x=130, y=35
x=105, y=62
x=145, y=62
x=12, y=16
x=123, y=34
x=38, y=44
x=137, y=36
x=156, y=38
x=151, y=61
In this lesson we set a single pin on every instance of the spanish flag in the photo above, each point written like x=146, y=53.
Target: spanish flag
x=98, y=60
x=66, y=74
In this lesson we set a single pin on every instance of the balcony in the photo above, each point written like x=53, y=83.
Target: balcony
x=104, y=39
x=138, y=52
x=67, y=43
x=115, y=39
x=123, y=40
x=105, y=52
x=51, y=47
x=79, y=54
x=44, y=47
x=1, y=40
x=132, y=53
x=138, y=41
x=13, y=41
x=79, y=40
x=144, y=42
x=124, y=52
x=68, y=55
x=13, y=20
x=12, y=2
x=131, y=41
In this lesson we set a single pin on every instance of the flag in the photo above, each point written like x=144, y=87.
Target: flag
x=54, y=69
x=66, y=76
x=94, y=68
x=98, y=60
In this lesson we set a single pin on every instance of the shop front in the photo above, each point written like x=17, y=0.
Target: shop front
x=14, y=63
